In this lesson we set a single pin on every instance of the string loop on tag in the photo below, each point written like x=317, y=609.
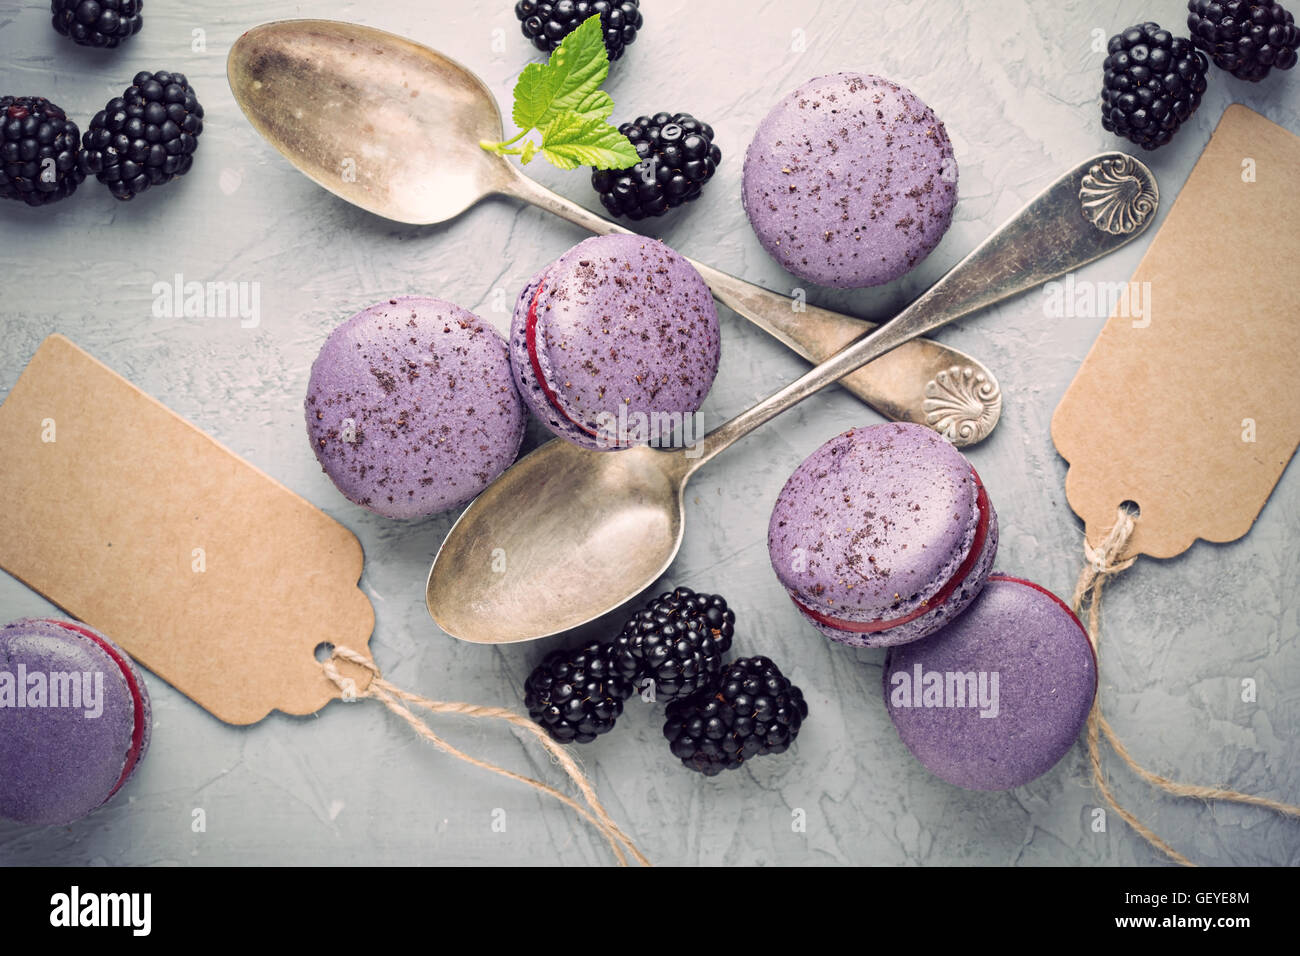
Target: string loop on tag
x=396, y=700
x=1103, y=563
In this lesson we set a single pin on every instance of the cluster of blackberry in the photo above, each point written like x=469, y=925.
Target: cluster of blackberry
x=547, y=23
x=39, y=147
x=718, y=715
x=1153, y=81
x=754, y=710
x=677, y=157
x=143, y=138
x=99, y=23
x=1246, y=39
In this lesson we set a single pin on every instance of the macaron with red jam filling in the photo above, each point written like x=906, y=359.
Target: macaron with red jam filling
x=616, y=344
x=883, y=535
x=75, y=721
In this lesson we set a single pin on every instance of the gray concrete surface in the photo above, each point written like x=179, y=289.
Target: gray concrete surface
x=1018, y=91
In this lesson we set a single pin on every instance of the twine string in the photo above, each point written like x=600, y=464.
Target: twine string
x=1103, y=563
x=396, y=700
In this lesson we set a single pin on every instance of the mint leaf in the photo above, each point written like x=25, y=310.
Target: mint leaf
x=534, y=91
x=575, y=71
x=597, y=105
x=562, y=99
x=578, y=139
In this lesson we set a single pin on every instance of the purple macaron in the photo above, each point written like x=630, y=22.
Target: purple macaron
x=998, y=697
x=883, y=535
x=615, y=343
x=411, y=407
x=75, y=721
x=850, y=181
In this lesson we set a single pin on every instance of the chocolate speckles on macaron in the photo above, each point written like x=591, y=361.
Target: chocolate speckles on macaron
x=411, y=407
x=850, y=181
x=618, y=332
x=882, y=535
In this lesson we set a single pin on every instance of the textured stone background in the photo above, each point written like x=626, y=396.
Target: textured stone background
x=1017, y=89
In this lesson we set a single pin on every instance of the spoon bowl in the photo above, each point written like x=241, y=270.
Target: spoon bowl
x=299, y=82
x=613, y=516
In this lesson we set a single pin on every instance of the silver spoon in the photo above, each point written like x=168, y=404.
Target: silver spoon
x=394, y=127
x=567, y=535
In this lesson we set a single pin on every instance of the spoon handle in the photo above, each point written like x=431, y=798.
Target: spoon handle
x=1092, y=210
x=901, y=386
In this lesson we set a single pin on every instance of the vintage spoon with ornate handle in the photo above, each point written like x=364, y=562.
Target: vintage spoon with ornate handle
x=566, y=534
x=394, y=127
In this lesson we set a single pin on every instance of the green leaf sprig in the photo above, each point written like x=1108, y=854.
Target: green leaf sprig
x=563, y=101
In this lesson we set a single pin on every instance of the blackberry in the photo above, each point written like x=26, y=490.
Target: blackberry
x=677, y=158
x=102, y=23
x=754, y=710
x=548, y=23
x=145, y=137
x=677, y=640
x=38, y=151
x=574, y=694
x=1153, y=83
x=1246, y=39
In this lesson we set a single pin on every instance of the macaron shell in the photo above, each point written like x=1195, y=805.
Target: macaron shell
x=530, y=389
x=966, y=592
x=1047, y=680
x=850, y=181
x=874, y=524
x=56, y=763
x=428, y=388
x=136, y=683
x=623, y=322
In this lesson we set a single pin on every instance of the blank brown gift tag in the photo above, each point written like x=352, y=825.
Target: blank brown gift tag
x=215, y=577
x=1193, y=410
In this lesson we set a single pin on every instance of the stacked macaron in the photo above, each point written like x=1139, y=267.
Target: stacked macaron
x=882, y=535
x=615, y=342
x=885, y=536
x=411, y=407
x=850, y=181
x=75, y=721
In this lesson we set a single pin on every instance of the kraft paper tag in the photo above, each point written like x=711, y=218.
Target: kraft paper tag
x=214, y=576
x=1192, y=410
